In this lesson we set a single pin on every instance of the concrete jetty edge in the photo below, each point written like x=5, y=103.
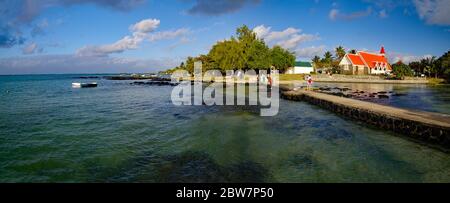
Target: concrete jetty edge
x=431, y=129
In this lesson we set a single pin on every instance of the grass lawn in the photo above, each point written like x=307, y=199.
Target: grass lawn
x=290, y=77
x=435, y=81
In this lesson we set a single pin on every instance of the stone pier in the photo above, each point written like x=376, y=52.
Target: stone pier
x=428, y=128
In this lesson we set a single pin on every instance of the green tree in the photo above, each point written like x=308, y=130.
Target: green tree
x=401, y=70
x=416, y=67
x=258, y=55
x=430, y=66
x=190, y=64
x=443, y=64
x=245, y=51
x=340, y=52
x=227, y=55
x=317, y=62
x=328, y=57
x=281, y=58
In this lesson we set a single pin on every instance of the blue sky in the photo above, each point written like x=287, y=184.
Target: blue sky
x=102, y=36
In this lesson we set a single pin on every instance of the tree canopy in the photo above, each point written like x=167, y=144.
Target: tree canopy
x=401, y=70
x=244, y=51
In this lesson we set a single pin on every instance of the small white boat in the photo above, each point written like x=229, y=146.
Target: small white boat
x=84, y=85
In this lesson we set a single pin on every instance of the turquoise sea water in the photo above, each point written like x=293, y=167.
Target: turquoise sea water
x=117, y=132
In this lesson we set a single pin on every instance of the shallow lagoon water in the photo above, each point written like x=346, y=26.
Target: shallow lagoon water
x=413, y=96
x=50, y=132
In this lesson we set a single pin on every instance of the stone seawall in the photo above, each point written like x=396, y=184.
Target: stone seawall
x=366, y=79
x=428, y=128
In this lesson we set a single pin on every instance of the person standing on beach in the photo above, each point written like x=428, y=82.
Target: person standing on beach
x=309, y=82
x=270, y=80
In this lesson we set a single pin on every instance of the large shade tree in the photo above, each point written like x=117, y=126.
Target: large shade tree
x=245, y=51
x=281, y=58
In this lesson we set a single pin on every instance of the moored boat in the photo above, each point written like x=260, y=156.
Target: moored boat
x=84, y=85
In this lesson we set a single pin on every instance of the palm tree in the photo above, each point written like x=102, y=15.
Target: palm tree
x=430, y=65
x=328, y=57
x=316, y=61
x=340, y=52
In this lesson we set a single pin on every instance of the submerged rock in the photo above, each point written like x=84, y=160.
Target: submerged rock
x=154, y=83
x=382, y=96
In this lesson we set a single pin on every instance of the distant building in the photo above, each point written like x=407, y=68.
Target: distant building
x=301, y=67
x=365, y=63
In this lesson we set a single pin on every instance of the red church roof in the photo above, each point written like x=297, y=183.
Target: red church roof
x=356, y=59
x=372, y=59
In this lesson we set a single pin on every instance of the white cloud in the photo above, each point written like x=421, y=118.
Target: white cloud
x=289, y=38
x=434, y=11
x=336, y=14
x=145, y=26
x=261, y=31
x=78, y=64
x=126, y=43
x=142, y=31
x=333, y=14
x=167, y=34
x=31, y=49
x=405, y=58
x=310, y=52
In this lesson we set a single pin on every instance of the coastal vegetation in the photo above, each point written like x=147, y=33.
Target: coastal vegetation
x=243, y=51
x=433, y=67
x=330, y=62
x=430, y=66
x=246, y=51
x=401, y=70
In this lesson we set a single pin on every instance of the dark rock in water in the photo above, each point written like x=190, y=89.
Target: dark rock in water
x=180, y=116
x=325, y=89
x=340, y=94
x=362, y=92
x=154, y=83
x=381, y=96
x=138, y=83
x=382, y=92
x=302, y=161
x=399, y=94
x=88, y=77
x=199, y=167
x=372, y=96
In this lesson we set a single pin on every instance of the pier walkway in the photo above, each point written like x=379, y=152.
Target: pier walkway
x=426, y=127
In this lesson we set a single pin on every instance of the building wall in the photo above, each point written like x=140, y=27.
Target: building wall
x=378, y=72
x=346, y=66
x=354, y=70
x=300, y=70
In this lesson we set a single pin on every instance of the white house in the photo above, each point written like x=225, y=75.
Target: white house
x=301, y=68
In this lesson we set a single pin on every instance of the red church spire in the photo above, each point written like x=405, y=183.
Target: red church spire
x=382, y=51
